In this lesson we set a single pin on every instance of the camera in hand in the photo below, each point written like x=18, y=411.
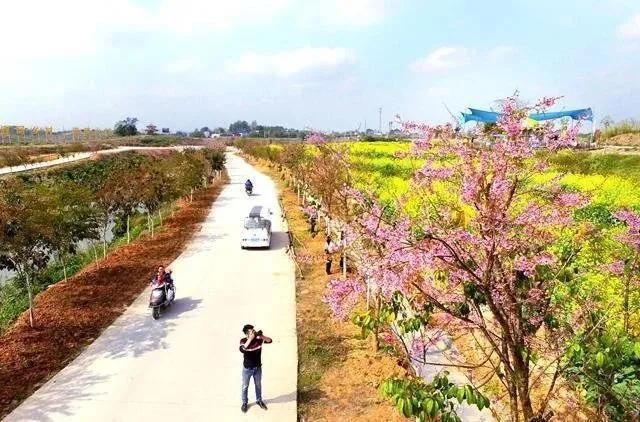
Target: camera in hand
x=259, y=333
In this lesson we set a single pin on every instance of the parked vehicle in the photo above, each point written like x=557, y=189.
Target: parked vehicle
x=162, y=295
x=256, y=232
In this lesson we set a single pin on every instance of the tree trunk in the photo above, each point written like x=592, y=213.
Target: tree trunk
x=95, y=251
x=30, y=294
x=513, y=405
x=64, y=267
x=376, y=339
x=191, y=195
x=150, y=224
x=344, y=262
x=626, y=304
x=160, y=217
x=128, y=230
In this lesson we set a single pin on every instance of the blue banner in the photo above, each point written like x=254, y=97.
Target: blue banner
x=493, y=117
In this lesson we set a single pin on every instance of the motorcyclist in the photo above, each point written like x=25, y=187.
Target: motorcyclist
x=163, y=276
x=248, y=185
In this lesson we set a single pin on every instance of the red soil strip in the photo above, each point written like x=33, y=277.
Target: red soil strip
x=70, y=315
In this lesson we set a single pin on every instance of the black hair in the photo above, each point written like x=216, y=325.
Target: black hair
x=246, y=328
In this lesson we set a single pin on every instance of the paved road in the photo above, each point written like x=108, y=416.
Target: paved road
x=81, y=156
x=186, y=366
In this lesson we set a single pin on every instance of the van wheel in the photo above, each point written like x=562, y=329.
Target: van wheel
x=156, y=313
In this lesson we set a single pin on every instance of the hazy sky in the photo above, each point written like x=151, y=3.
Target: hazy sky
x=324, y=64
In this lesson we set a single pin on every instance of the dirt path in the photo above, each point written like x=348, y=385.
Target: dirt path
x=338, y=374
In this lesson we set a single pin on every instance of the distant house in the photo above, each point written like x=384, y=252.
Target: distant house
x=215, y=135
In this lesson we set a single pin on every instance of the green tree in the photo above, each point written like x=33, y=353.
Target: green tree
x=26, y=233
x=73, y=219
x=126, y=127
x=151, y=129
x=239, y=126
x=196, y=134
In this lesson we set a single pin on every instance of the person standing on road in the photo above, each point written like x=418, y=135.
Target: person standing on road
x=251, y=348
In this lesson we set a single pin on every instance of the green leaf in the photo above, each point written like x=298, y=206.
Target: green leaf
x=460, y=395
x=636, y=349
x=469, y=394
x=600, y=359
x=428, y=407
x=408, y=408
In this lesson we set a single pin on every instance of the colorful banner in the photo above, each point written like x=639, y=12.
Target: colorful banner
x=483, y=116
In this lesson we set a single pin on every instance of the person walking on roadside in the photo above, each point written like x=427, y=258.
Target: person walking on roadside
x=313, y=220
x=329, y=249
x=251, y=348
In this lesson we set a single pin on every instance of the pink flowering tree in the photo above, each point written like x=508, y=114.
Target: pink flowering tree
x=485, y=253
x=627, y=268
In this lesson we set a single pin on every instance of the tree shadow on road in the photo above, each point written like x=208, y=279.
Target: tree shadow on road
x=283, y=398
x=131, y=335
x=138, y=334
x=52, y=404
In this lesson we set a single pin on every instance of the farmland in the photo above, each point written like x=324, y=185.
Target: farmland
x=599, y=192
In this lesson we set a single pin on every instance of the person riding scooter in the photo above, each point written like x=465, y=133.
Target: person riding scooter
x=163, y=291
x=248, y=186
x=163, y=276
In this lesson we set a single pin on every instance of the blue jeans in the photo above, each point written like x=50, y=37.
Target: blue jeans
x=247, y=373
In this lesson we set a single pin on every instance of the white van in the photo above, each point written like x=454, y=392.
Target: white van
x=256, y=232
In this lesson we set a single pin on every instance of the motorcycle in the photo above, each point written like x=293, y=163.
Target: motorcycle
x=162, y=295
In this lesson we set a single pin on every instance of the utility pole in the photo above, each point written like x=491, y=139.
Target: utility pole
x=380, y=120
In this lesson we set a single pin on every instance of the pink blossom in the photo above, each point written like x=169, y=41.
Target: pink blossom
x=631, y=236
x=342, y=296
x=529, y=264
x=305, y=258
x=418, y=348
x=571, y=199
x=316, y=139
x=546, y=102
x=616, y=267
x=388, y=337
x=536, y=320
x=535, y=296
x=431, y=172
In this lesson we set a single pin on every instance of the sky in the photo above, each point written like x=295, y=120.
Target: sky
x=318, y=64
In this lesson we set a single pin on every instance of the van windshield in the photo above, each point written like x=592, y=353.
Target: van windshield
x=255, y=223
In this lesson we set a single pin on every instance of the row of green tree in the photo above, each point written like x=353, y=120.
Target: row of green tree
x=253, y=130
x=128, y=127
x=46, y=215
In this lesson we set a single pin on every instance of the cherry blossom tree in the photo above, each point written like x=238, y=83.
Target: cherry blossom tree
x=485, y=253
x=627, y=266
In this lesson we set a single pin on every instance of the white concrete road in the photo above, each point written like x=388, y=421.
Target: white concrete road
x=82, y=156
x=186, y=366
